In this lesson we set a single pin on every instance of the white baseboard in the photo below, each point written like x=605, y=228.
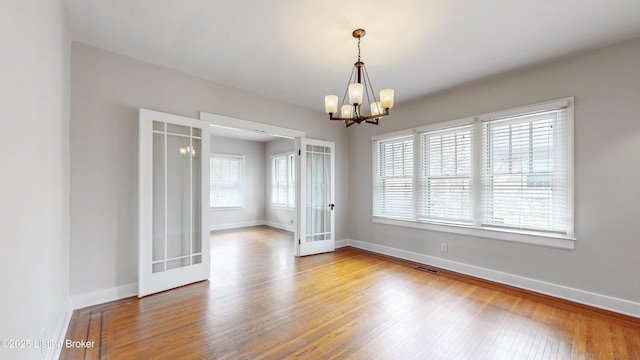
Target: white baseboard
x=281, y=226
x=605, y=302
x=60, y=332
x=342, y=243
x=104, y=296
x=241, y=224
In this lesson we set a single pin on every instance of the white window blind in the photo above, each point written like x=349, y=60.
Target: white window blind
x=283, y=184
x=444, y=181
x=525, y=177
x=393, y=177
x=225, y=181
x=506, y=175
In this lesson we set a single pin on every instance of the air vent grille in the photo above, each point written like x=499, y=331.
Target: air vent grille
x=429, y=270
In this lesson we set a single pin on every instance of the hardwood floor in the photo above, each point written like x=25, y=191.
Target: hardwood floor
x=262, y=303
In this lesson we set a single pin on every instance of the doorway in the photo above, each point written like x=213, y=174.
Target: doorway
x=315, y=216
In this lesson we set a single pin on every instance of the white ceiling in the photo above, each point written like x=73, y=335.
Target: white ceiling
x=300, y=50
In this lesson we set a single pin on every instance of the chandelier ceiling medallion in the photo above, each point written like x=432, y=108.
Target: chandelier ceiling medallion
x=359, y=90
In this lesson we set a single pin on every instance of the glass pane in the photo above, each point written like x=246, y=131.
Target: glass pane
x=157, y=267
x=196, y=259
x=196, y=179
x=178, y=129
x=196, y=132
x=178, y=196
x=318, y=190
x=158, y=196
x=177, y=263
x=158, y=126
x=327, y=193
x=310, y=195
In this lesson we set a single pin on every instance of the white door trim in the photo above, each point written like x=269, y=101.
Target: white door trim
x=230, y=122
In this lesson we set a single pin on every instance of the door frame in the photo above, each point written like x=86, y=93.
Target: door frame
x=287, y=133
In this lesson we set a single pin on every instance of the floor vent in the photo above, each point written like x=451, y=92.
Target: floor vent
x=424, y=268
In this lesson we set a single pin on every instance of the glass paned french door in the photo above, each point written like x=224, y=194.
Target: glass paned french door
x=173, y=207
x=317, y=184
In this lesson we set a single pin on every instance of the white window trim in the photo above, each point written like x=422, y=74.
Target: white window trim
x=552, y=240
x=542, y=239
x=241, y=176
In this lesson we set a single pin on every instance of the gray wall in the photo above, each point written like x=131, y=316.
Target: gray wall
x=252, y=212
x=606, y=86
x=283, y=218
x=34, y=182
x=106, y=91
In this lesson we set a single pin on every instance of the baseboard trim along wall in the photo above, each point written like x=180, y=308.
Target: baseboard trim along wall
x=60, y=333
x=342, y=243
x=600, y=301
x=104, y=296
x=242, y=224
x=281, y=226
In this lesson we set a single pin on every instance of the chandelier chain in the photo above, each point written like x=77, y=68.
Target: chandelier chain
x=358, y=49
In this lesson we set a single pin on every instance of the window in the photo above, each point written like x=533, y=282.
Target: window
x=283, y=184
x=524, y=175
x=393, y=177
x=445, y=177
x=226, y=181
x=505, y=172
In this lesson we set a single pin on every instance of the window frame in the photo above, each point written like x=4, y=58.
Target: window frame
x=290, y=183
x=477, y=229
x=240, y=183
x=390, y=137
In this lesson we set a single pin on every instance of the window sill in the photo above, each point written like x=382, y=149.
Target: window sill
x=283, y=208
x=226, y=208
x=540, y=239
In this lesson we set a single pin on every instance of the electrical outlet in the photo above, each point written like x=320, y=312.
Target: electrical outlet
x=444, y=248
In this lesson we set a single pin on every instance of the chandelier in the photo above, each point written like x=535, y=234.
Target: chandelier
x=359, y=89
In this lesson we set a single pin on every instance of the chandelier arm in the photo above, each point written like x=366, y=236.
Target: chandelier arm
x=361, y=118
x=346, y=91
x=367, y=86
x=368, y=80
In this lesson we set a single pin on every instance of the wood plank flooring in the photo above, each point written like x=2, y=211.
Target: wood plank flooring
x=263, y=303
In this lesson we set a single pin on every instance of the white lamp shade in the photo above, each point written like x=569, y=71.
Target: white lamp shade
x=346, y=111
x=355, y=93
x=376, y=109
x=331, y=104
x=386, y=98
